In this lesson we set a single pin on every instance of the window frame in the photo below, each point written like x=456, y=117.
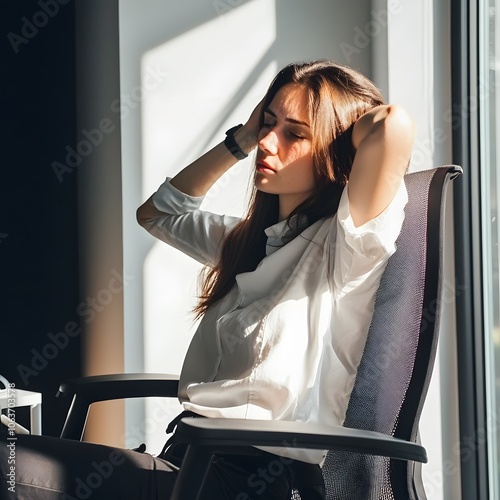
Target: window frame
x=471, y=349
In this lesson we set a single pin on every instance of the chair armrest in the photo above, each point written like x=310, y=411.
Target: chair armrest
x=88, y=390
x=222, y=432
x=208, y=435
x=120, y=386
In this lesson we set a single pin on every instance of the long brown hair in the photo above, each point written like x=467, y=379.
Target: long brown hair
x=338, y=96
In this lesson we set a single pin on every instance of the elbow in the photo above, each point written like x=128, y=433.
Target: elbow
x=394, y=129
x=147, y=213
x=399, y=124
x=139, y=216
x=143, y=214
x=385, y=122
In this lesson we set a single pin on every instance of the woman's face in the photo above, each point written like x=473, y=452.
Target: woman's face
x=284, y=164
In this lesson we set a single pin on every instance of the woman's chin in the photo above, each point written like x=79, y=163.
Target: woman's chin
x=263, y=185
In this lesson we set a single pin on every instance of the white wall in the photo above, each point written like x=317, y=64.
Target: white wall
x=208, y=67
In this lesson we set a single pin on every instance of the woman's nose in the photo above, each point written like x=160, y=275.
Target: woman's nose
x=269, y=143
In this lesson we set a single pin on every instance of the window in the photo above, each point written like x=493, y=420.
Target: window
x=489, y=144
x=476, y=143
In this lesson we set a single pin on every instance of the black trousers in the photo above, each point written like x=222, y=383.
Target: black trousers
x=46, y=468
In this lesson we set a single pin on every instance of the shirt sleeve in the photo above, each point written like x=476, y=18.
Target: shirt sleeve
x=184, y=226
x=361, y=251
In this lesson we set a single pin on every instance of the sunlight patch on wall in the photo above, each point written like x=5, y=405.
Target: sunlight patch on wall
x=210, y=79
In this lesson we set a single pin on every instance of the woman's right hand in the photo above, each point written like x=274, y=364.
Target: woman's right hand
x=247, y=136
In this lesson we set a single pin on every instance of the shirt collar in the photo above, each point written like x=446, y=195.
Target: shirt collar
x=279, y=234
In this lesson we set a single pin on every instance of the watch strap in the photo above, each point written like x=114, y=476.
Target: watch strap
x=232, y=145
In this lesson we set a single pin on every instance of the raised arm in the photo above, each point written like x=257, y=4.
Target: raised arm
x=383, y=139
x=197, y=178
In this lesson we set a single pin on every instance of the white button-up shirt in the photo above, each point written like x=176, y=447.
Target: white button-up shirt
x=286, y=342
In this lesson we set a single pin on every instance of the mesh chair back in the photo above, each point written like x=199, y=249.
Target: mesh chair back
x=395, y=369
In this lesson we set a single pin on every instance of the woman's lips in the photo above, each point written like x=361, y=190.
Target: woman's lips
x=261, y=167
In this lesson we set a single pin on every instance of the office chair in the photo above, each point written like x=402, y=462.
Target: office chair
x=376, y=454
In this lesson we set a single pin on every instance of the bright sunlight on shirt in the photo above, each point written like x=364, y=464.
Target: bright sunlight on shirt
x=286, y=342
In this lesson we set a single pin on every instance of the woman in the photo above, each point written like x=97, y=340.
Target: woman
x=287, y=295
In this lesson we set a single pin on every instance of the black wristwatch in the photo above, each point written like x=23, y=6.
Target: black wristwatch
x=231, y=144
